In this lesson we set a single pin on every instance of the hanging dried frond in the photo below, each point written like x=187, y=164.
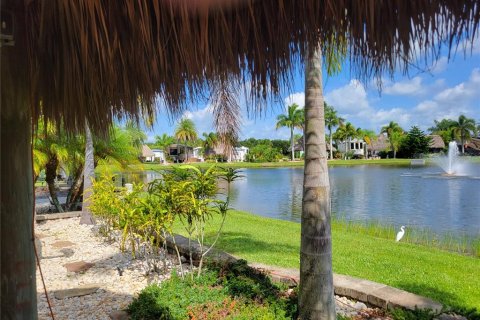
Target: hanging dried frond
x=227, y=116
x=97, y=59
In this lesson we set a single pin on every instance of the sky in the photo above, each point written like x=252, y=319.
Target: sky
x=444, y=89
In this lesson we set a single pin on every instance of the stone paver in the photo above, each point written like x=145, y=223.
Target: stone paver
x=62, y=244
x=78, y=266
x=76, y=292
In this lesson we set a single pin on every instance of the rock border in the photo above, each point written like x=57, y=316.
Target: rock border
x=373, y=293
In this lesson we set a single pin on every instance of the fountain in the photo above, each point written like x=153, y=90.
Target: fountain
x=451, y=164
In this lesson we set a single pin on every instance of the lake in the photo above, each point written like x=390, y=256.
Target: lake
x=411, y=196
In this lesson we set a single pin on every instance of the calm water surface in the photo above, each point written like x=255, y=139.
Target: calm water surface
x=416, y=196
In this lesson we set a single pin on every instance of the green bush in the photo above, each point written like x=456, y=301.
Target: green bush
x=235, y=292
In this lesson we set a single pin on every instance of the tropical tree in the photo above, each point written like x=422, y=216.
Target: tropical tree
x=210, y=141
x=316, y=298
x=51, y=144
x=186, y=132
x=293, y=119
x=346, y=132
x=332, y=120
x=445, y=129
x=394, y=133
x=164, y=141
x=464, y=128
x=415, y=143
x=88, y=177
x=119, y=149
x=369, y=136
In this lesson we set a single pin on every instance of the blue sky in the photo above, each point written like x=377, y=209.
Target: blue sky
x=445, y=90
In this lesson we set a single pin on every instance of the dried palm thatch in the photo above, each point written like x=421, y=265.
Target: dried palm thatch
x=98, y=59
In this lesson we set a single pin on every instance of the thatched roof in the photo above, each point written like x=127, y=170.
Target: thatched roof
x=379, y=144
x=147, y=152
x=436, y=142
x=97, y=59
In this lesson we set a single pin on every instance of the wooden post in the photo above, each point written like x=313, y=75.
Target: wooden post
x=18, y=284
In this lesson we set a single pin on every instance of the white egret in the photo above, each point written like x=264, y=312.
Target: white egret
x=400, y=234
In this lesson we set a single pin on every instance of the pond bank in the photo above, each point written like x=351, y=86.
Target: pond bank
x=443, y=276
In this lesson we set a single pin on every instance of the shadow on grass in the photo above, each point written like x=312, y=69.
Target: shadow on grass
x=239, y=243
x=446, y=298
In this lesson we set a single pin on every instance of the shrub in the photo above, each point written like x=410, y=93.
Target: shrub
x=209, y=297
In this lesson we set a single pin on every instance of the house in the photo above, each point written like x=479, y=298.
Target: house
x=298, y=147
x=236, y=154
x=198, y=153
x=356, y=146
x=147, y=154
x=378, y=145
x=239, y=154
x=473, y=147
x=180, y=152
x=436, y=144
x=159, y=155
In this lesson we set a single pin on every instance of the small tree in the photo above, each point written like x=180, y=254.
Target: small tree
x=415, y=143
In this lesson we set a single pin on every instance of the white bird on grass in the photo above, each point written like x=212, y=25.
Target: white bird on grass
x=400, y=234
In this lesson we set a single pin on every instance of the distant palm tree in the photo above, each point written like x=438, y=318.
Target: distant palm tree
x=463, y=129
x=210, y=142
x=164, y=141
x=368, y=136
x=293, y=119
x=186, y=132
x=331, y=121
x=394, y=133
x=346, y=132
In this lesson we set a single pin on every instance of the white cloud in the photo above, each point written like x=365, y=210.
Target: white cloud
x=349, y=99
x=202, y=118
x=439, y=66
x=408, y=87
x=297, y=97
x=463, y=98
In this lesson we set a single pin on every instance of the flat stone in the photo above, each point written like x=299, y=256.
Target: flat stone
x=62, y=244
x=54, y=216
x=77, y=292
x=78, y=266
x=450, y=316
x=119, y=315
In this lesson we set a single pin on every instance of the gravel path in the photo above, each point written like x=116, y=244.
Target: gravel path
x=66, y=243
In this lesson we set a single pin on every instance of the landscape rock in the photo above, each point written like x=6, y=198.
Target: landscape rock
x=76, y=292
x=62, y=244
x=450, y=316
x=78, y=266
x=119, y=315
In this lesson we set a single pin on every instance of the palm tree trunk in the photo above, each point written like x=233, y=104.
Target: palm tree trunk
x=331, y=144
x=316, y=299
x=50, y=174
x=17, y=257
x=462, y=138
x=75, y=190
x=292, y=144
x=88, y=175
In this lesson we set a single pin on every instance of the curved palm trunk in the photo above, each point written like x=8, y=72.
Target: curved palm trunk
x=88, y=175
x=316, y=299
x=50, y=174
x=75, y=190
x=17, y=263
x=292, y=144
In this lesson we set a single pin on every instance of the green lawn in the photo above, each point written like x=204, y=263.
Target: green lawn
x=450, y=278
